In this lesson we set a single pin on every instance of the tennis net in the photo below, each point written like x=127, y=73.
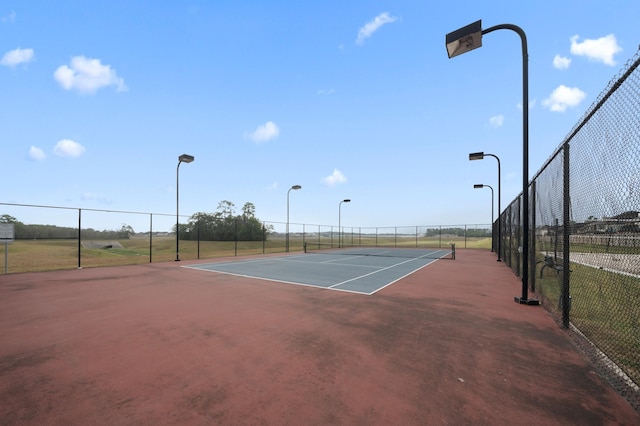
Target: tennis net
x=384, y=251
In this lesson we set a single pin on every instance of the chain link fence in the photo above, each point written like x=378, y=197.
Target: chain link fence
x=584, y=217
x=74, y=238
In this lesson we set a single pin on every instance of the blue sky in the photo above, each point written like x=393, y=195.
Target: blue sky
x=350, y=100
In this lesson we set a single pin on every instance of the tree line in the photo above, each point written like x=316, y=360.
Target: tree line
x=225, y=225
x=222, y=225
x=459, y=232
x=49, y=232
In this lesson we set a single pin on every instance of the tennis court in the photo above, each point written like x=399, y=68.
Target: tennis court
x=364, y=270
x=162, y=344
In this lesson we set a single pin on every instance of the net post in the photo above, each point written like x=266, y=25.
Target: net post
x=453, y=251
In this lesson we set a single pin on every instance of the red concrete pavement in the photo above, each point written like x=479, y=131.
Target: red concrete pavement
x=161, y=344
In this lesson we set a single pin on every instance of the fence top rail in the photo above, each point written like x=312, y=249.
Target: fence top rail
x=80, y=208
x=467, y=226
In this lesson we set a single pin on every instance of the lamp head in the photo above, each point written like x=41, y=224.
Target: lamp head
x=346, y=200
x=476, y=156
x=186, y=158
x=464, y=39
x=478, y=185
x=296, y=187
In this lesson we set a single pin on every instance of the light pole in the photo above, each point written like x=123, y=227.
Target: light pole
x=294, y=187
x=468, y=38
x=479, y=186
x=480, y=156
x=184, y=158
x=339, y=223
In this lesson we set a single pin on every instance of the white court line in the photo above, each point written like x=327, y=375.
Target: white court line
x=398, y=279
x=331, y=287
x=320, y=263
x=278, y=281
x=233, y=262
x=375, y=272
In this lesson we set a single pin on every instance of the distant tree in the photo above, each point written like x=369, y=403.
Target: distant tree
x=126, y=231
x=248, y=210
x=226, y=208
x=224, y=225
x=5, y=218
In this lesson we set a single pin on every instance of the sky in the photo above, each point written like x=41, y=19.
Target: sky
x=350, y=100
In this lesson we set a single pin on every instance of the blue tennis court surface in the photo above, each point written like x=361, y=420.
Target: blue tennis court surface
x=357, y=273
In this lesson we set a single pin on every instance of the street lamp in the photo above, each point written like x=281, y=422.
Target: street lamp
x=294, y=187
x=480, y=156
x=184, y=158
x=468, y=38
x=479, y=186
x=339, y=223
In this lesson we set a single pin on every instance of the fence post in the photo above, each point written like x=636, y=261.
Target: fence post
x=150, y=237
x=566, y=233
x=198, y=235
x=235, y=238
x=520, y=236
x=532, y=258
x=79, y=237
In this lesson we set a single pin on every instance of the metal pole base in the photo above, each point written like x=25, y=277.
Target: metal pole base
x=531, y=302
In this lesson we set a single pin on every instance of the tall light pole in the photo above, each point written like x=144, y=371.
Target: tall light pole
x=468, y=38
x=479, y=186
x=480, y=156
x=184, y=158
x=294, y=187
x=339, y=219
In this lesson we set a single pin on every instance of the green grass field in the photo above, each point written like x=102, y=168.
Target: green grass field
x=604, y=307
x=50, y=255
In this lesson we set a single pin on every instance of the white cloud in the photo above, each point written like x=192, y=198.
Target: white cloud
x=564, y=97
x=374, y=25
x=326, y=91
x=9, y=18
x=87, y=75
x=561, y=62
x=91, y=196
x=68, y=148
x=599, y=50
x=17, y=56
x=334, y=178
x=496, y=120
x=264, y=133
x=36, y=154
